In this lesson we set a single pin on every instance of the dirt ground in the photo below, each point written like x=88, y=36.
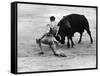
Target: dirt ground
x=83, y=55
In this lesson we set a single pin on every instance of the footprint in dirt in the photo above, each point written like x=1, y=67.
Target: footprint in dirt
x=89, y=46
x=85, y=45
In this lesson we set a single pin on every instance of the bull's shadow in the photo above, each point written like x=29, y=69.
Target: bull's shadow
x=77, y=45
x=62, y=46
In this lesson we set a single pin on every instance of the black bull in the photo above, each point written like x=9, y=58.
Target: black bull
x=71, y=24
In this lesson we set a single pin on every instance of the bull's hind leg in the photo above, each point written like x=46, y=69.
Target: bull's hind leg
x=72, y=43
x=38, y=41
x=89, y=33
x=80, y=37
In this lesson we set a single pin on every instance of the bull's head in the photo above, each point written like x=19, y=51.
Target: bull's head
x=60, y=35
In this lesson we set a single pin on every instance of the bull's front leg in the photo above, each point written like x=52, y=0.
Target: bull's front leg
x=72, y=43
x=68, y=44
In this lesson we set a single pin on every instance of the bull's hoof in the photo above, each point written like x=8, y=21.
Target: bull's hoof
x=68, y=46
x=62, y=42
x=91, y=41
x=79, y=42
x=41, y=53
x=73, y=45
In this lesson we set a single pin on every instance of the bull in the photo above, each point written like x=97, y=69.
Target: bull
x=71, y=24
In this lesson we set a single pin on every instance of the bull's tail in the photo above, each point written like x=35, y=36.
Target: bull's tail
x=86, y=27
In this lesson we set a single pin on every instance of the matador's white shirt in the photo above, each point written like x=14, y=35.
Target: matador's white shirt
x=52, y=25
